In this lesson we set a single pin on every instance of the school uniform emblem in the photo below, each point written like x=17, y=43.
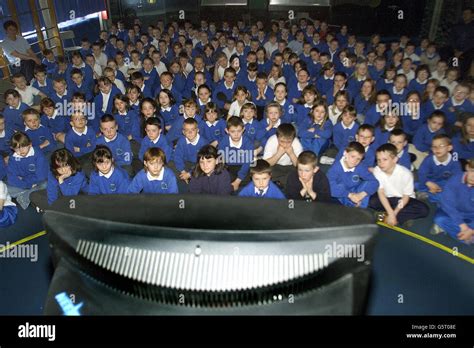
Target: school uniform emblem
x=447, y=174
x=164, y=186
x=113, y=187
x=252, y=130
x=42, y=139
x=351, y=138
x=32, y=167
x=119, y=152
x=355, y=178
x=126, y=119
x=217, y=132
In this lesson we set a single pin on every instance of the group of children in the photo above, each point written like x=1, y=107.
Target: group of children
x=238, y=112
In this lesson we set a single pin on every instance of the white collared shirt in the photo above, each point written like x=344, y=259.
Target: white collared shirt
x=83, y=133
x=396, y=92
x=109, y=174
x=211, y=124
x=105, y=100
x=344, y=168
x=276, y=125
x=348, y=127
x=238, y=145
x=159, y=177
x=30, y=153
x=107, y=140
x=264, y=192
x=194, y=143
x=168, y=109
x=445, y=163
x=247, y=122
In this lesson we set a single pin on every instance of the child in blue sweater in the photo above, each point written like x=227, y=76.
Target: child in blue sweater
x=345, y=130
x=351, y=182
x=185, y=153
x=261, y=185
x=80, y=140
x=253, y=129
x=41, y=136
x=116, y=142
x=169, y=110
x=12, y=112
x=5, y=137
x=128, y=122
x=106, y=177
x=237, y=151
x=154, y=138
x=398, y=138
x=155, y=177
x=52, y=119
x=190, y=111
x=66, y=177
x=214, y=127
x=316, y=131
x=271, y=122
x=27, y=169
x=456, y=214
x=424, y=136
x=437, y=168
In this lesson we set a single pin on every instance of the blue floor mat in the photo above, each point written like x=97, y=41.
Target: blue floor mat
x=425, y=279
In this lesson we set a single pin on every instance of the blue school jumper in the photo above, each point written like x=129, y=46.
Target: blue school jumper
x=114, y=183
x=424, y=137
x=47, y=88
x=415, y=85
x=57, y=124
x=50, y=66
x=227, y=92
x=343, y=182
x=456, y=205
x=190, y=80
x=87, y=73
x=143, y=182
x=369, y=157
x=174, y=91
x=39, y=136
x=354, y=85
x=272, y=192
x=161, y=142
x=268, y=97
x=83, y=88
x=24, y=172
x=254, y=130
x=459, y=110
x=13, y=118
x=237, y=156
x=302, y=115
x=266, y=134
x=120, y=147
x=99, y=102
x=85, y=141
x=384, y=84
x=129, y=124
x=318, y=139
x=382, y=136
x=314, y=70
x=70, y=186
x=375, y=74
x=398, y=97
x=294, y=91
x=463, y=151
x=5, y=141
x=152, y=76
x=343, y=135
x=169, y=114
x=176, y=130
x=250, y=85
x=373, y=115
x=186, y=151
x=361, y=104
x=428, y=108
x=404, y=158
x=63, y=100
x=439, y=173
x=410, y=124
x=214, y=131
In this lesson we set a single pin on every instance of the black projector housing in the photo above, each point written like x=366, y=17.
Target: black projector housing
x=208, y=255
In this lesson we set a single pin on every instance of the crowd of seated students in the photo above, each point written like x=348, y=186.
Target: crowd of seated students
x=236, y=110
